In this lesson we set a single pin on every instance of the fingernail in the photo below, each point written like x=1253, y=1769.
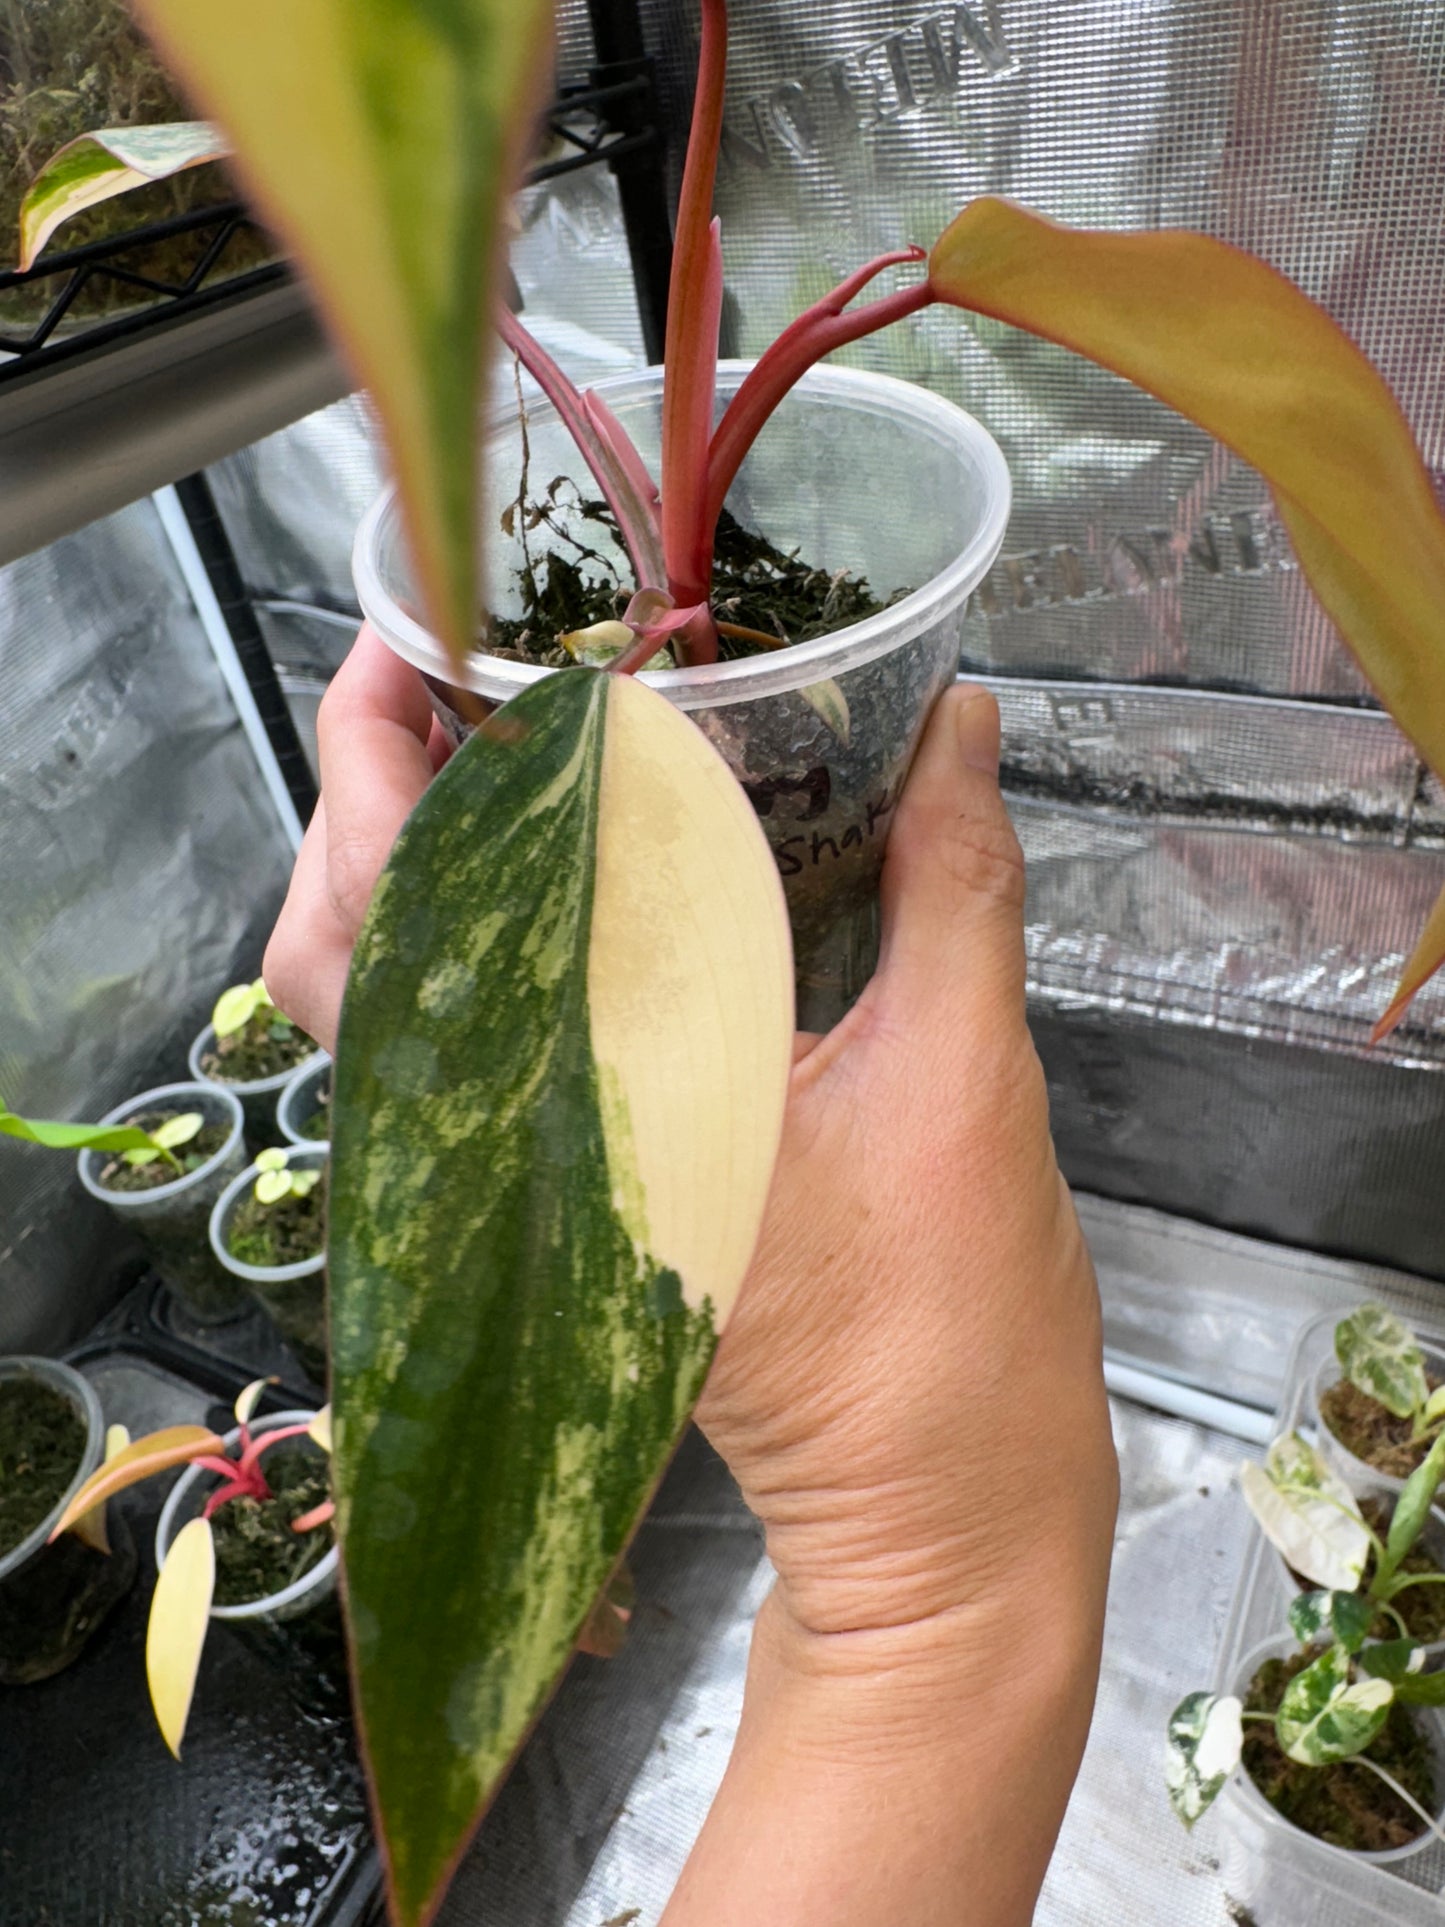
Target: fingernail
x=977, y=722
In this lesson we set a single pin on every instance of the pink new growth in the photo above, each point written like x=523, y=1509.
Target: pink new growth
x=669, y=533
x=243, y=1476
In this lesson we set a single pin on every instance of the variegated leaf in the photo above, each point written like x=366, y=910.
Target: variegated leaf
x=1402, y=1662
x=826, y=700
x=559, y=1087
x=1343, y=1617
x=1308, y=1513
x=156, y=1452
x=1205, y=1738
x=113, y=160
x=1323, y=1716
x=1379, y=1355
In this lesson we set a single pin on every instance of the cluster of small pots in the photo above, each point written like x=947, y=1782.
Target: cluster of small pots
x=183, y=1224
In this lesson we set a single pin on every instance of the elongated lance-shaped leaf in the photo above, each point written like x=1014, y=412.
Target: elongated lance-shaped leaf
x=1308, y=1513
x=113, y=160
x=91, y=1527
x=176, y=1631
x=142, y=1459
x=377, y=138
x=58, y=1136
x=1240, y=350
x=1324, y=1717
x=563, y=1056
x=1343, y=1618
x=1206, y=1737
x=1420, y=966
x=1378, y=1354
x=1412, y=1509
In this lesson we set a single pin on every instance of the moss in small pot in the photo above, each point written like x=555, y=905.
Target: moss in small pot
x=1386, y=1408
x=282, y=1220
x=1371, y=1431
x=258, y=1552
x=1344, y=1804
x=253, y=1039
x=52, y=1602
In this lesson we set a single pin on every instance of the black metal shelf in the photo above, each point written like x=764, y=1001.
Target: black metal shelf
x=95, y=414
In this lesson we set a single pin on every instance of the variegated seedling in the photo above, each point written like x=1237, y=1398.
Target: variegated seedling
x=135, y=1146
x=181, y=1603
x=1380, y=1357
x=1337, y=1704
x=277, y=1178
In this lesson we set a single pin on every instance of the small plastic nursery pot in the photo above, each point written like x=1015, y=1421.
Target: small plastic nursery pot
x=294, y=1294
x=301, y=1102
x=259, y=1096
x=1287, y=1835
x=1358, y=1474
x=300, y=1626
x=855, y=471
x=171, y=1219
x=53, y=1598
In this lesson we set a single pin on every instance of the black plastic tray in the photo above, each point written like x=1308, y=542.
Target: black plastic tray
x=263, y=1823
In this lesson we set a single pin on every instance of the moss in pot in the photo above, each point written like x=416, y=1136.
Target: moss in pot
x=269, y=1228
x=1342, y=1802
x=251, y=1041
x=52, y=1597
x=1387, y=1407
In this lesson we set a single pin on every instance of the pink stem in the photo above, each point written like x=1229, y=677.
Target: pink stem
x=816, y=332
x=693, y=312
x=614, y=462
x=317, y=1516
x=224, y=1468
x=623, y=451
x=223, y=1495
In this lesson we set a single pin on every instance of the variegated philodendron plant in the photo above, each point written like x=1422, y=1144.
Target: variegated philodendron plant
x=565, y=1045
x=1334, y=1706
x=1381, y=1357
x=181, y=1604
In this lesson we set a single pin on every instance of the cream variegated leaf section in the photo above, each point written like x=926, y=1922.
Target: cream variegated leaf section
x=176, y=1633
x=1308, y=1514
x=689, y=985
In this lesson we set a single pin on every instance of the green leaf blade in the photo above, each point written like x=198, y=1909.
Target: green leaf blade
x=57, y=1136
x=1324, y=1717
x=1412, y=1508
x=514, y=1355
x=1345, y=1617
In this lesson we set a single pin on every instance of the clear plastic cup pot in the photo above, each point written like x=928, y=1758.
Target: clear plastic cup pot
x=294, y=1295
x=171, y=1220
x=259, y=1095
x=301, y=1103
x=298, y=1628
x=855, y=471
x=53, y=1598
x=1359, y=1475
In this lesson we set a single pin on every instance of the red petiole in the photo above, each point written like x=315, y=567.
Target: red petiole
x=670, y=534
x=243, y=1476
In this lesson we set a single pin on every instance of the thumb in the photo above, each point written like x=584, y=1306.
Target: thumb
x=953, y=878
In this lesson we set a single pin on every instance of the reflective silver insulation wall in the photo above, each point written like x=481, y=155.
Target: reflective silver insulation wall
x=1230, y=851
x=140, y=863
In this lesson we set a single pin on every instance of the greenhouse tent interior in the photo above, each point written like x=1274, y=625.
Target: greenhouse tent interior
x=1230, y=846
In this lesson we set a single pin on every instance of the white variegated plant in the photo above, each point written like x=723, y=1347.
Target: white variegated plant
x=1381, y=1357
x=1336, y=1705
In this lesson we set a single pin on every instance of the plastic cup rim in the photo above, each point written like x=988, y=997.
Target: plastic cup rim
x=715, y=684
x=67, y=1380
x=148, y=1100
x=263, y=1274
x=275, y=1602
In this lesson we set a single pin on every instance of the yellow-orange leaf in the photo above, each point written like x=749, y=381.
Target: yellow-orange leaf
x=176, y=1632
x=1240, y=350
x=1425, y=959
x=156, y=1452
x=91, y=1527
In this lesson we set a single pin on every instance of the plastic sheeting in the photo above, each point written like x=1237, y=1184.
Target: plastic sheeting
x=141, y=863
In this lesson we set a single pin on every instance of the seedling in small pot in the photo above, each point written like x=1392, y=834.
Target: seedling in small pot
x=214, y=1547
x=1384, y=1409
x=1301, y=1718
x=176, y=1145
x=253, y=1039
x=1331, y=1539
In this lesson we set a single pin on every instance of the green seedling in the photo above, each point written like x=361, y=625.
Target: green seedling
x=278, y=1179
x=245, y=1004
x=134, y=1145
